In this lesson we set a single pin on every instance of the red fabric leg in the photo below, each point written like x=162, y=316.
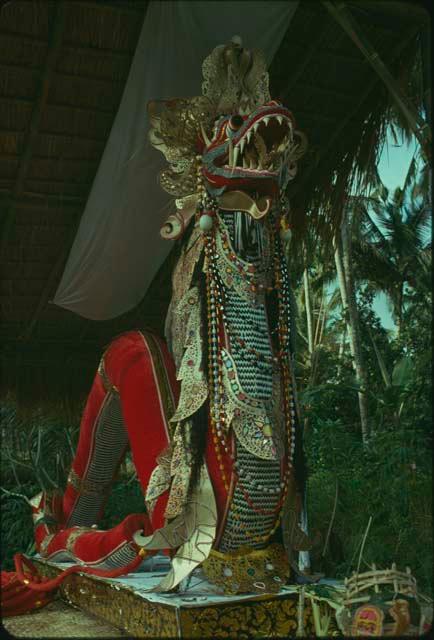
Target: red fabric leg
x=144, y=405
x=139, y=375
x=86, y=442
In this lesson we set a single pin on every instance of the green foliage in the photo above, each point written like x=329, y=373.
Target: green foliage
x=36, y=454
x=16, y=527
x=126, y=497
x=391, y=479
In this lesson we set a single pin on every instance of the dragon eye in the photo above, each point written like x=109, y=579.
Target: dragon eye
x=235, y=122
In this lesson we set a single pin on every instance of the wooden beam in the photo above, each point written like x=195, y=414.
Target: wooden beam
x=80, y=49
x=42, y=199
x=38, y=109
x=7, y=66
x=54, y=134
x=344, y=17
x=121, y=6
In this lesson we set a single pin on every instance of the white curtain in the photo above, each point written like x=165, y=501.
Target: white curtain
x=118, y=249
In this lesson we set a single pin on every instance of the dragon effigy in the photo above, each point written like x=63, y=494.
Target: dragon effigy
x=210, y=413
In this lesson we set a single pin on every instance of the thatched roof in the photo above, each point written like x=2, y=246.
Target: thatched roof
x=63, y=69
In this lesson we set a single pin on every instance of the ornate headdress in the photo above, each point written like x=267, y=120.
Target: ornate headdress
x=203, y=130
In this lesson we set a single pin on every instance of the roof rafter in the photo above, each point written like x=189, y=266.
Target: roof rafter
x=314, y=47
x=70, y=47
x=53, y=52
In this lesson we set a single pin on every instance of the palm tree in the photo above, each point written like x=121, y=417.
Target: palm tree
x=390, y=240
x=344, y=270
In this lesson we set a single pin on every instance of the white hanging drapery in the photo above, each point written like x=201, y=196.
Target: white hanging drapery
x=118, y=249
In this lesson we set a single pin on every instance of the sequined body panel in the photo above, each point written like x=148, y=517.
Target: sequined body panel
x=248, y=335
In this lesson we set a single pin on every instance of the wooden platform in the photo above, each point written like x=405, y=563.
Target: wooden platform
x=195, y=611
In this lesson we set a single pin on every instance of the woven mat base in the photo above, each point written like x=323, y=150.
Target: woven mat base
x=58, y=620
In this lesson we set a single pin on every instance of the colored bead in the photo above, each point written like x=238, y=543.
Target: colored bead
x=206, y=223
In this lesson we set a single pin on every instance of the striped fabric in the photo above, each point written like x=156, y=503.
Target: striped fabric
x=110, y=442
x=119, y=558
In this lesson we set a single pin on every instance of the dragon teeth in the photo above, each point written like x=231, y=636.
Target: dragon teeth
x=242, y=143
x=266, y=120
x=248, y=134
x=255, y=126
x=279, y=119
x=231, y=153
x=235, y=156
x=205, y=137
x=245, y=163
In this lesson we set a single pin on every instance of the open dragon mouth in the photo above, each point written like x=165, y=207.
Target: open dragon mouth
x=261, y=148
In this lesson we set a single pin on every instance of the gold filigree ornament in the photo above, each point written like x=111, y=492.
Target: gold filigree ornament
x=246, y=570
x=172, y=473
x=180, y=470
x=178, y=312
x=194, y=385
x=175, y=125
x=235, y=78
x=253, y=421
x=159, y=481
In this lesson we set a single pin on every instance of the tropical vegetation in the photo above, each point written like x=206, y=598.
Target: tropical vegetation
x=365, y=394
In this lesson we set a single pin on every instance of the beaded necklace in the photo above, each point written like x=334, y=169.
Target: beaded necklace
x=217, y=322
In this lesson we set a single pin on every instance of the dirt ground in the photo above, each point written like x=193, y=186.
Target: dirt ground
x=59, y=620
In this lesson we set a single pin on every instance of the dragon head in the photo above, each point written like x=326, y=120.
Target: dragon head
x=255, y=152
x=234, y=141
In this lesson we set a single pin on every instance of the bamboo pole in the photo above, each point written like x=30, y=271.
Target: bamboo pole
x=350, y=114
x=343, y=16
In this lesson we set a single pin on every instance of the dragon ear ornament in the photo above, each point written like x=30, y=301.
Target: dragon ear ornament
x=233, y=147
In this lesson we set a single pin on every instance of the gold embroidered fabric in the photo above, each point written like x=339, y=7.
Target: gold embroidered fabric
x=194, y=385
x=180, y=471
x=172, y=472
x=246, y=570
x=176, y=320
x=160, y=479
x=76, y=533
